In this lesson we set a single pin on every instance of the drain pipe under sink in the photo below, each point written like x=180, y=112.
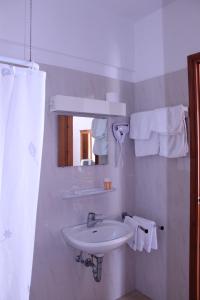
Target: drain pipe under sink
x=93, y=261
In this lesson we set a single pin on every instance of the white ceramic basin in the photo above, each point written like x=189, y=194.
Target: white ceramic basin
x=101, y=238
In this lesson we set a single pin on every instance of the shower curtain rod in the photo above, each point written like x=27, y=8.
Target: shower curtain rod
x=18, y=62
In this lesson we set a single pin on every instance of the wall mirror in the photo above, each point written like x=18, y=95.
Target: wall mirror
x=82, y=141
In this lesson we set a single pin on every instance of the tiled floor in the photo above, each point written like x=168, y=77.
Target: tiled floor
x=134, y=296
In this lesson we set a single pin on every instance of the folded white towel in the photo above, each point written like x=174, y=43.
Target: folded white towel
x=148, y=240
x=141, y=130
x=161, y=131
x=140, y=239
x=147, y=147
x=173, y=146
x=141, y=125
x=169, y=120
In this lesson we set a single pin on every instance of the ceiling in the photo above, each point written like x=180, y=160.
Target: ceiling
x=131, y=9
x=137, y=9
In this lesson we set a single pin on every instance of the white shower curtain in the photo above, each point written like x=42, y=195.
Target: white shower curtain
x=22, y=105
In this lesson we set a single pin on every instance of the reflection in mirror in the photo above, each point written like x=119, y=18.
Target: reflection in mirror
x=82, y=141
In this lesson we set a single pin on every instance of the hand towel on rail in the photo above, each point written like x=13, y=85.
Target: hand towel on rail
x=148, y=240
x=140, y=239
x=134, y=225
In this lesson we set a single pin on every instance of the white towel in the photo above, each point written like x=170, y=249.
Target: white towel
x=169, y=120
x=99, y=128
x=140, y=239
x=161, y=131
x=134, y=226
x=174, y=146
x=141, y=125
x=147, y=147
x=148, y=240
x=100, y=146
x=141, y=130
x=99, y=133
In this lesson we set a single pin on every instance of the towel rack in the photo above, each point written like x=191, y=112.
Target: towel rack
x=125, y=214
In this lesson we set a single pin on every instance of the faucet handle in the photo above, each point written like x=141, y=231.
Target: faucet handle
x=92, y=220
x=91, y=215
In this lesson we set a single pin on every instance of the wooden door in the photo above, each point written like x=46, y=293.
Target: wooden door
x=65, y=141
x=194, y=114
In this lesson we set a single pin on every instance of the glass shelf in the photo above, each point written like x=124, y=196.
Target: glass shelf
x=85, y=192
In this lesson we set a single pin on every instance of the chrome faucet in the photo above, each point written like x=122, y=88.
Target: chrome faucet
x=92, y=220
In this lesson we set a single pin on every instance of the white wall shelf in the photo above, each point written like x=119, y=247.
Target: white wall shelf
x=74, y=105
x=85, y=192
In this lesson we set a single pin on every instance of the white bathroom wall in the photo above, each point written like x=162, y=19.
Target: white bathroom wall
x=161, y=193
x=163, y=39
x=56, y=275
x=70, y=33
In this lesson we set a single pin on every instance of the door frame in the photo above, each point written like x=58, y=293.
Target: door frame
x=87, y=132
x=194, y=119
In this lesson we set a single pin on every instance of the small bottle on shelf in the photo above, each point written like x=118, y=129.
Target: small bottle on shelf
x=107, y=184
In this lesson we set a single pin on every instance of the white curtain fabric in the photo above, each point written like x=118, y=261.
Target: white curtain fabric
x=22, y=105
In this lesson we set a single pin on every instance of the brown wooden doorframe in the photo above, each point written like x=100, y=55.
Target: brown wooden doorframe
x=85, y=144
x=194, y=114
x=65, y=141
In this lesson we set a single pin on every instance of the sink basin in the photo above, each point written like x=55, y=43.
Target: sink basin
x=101, y=238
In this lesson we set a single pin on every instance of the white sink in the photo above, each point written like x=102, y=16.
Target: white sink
x=101, y=238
